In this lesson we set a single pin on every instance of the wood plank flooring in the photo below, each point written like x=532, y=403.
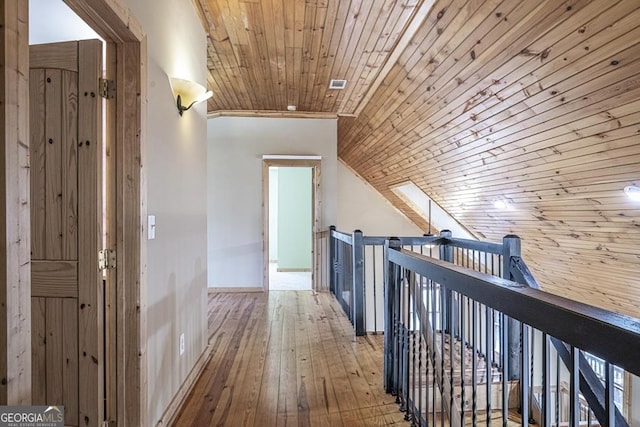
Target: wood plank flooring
x=288, y=359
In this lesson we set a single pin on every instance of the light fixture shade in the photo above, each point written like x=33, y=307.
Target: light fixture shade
x=187, y=93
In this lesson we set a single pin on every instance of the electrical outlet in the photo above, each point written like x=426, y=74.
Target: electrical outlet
x=181, y=344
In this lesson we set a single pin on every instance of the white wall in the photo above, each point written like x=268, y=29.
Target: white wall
x=362, y=207
x=53, y=21
x=273, y=213
x=295, y=218
x=175, y=167
x=236, y=146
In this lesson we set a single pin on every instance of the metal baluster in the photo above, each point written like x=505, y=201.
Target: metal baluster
x=546, y=385
x=574, y=388
x=432, y=353
x=474, y=363
x=406, y=351
x=532, y=353
x=451, y=358
x=420, y=345
x=558, y=366
x=406, y=319
x=412, y=320
x=525, y=385
x=375, y=298
x=442, y=353
x=504, y=321
x=398, y=340
x=463, y=347
x=609, y=402
x=401, y=328
x=488, y=358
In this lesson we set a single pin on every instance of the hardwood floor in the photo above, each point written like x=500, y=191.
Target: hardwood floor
x=288, y=359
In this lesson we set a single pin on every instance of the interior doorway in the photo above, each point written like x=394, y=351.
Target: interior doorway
x=111, y=382
x=290, y=228
x=291, y=210
x=68, y=213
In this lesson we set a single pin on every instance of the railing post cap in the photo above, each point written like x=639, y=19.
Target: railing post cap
x=332, y=227
x=511, y=236
x=357, y=231
x=394, y=242
x=447, y=233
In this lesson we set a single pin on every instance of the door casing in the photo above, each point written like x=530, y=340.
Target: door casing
x=126, y=56
x=316, y=212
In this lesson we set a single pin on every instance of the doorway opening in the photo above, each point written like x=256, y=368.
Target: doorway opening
x=110, y=382
x=290, y=228
x=291, y=211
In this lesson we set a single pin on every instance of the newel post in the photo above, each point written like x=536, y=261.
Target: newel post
x=358, y=283
x=391, y=281
x=511, y=247
x=332, y=260
x=446, y=254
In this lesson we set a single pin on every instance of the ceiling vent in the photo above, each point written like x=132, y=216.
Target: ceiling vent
x=337, y=84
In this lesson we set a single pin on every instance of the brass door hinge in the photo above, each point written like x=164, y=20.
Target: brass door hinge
x=106, y=259
x=107, y=88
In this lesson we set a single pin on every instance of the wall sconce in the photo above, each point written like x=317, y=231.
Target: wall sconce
x=188, y=93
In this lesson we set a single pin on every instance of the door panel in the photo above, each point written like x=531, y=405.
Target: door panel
x=66, y=170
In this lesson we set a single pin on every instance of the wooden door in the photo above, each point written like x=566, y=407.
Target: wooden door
x=66, y=229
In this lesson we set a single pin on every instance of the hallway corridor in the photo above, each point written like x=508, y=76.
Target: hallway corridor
x=288, y=359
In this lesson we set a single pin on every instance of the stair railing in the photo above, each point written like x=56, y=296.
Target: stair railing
x=356, y=276
x=441, y=364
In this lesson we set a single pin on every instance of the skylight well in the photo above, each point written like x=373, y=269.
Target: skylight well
x=418, y=201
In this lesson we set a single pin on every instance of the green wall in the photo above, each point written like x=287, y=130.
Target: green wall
x=294, y=218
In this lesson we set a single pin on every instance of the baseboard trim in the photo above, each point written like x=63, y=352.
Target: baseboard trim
x=169, y=415
x=223, y=290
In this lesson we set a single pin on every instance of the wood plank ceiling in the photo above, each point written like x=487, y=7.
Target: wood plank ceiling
x=536, y=103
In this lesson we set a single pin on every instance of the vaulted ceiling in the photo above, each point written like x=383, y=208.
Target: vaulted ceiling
x=534, y=103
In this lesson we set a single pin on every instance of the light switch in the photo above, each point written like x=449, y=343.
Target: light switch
x=151, y=227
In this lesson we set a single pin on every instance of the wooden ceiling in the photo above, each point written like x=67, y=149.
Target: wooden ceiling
x=536, y=103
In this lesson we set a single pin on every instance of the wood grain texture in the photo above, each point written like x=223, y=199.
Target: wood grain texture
x=288, y=358
x=270, y=54
x=15, y=306
x=90, y=284
x=125, y=36
x=66, y=281
x=57, y=279
x=535, y=103
x=62, y=56
x=37, y=111
x=53, y=164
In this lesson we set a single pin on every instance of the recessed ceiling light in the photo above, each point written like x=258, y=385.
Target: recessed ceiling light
x=632, y=192
x=500, y=204
x=337, y=84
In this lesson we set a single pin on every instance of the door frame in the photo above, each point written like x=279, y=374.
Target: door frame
x=126, y=56
x=313, y=162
